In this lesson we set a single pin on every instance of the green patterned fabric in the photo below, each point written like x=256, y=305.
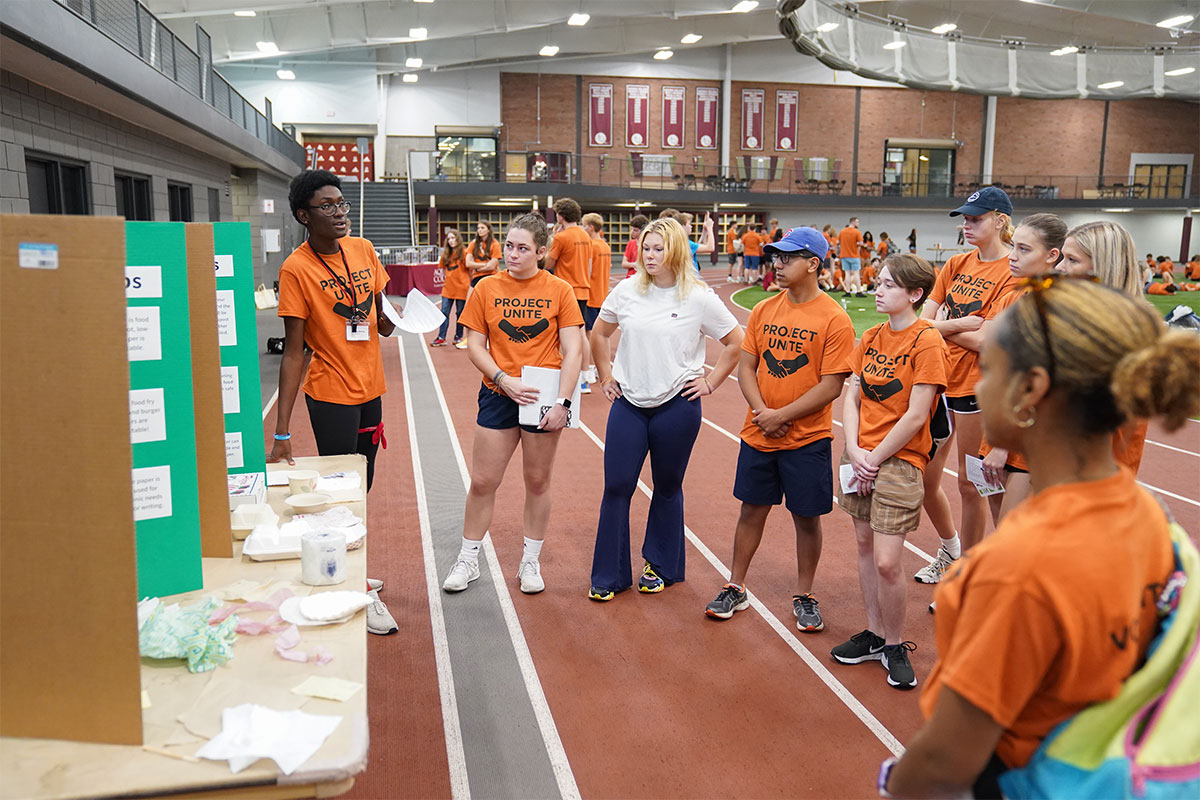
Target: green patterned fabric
x=184, y=632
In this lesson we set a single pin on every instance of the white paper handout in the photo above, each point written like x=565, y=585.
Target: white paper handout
x=975, y=476
x=250, y=732
x=849, y=482
x=420, y=315
x=546, y=382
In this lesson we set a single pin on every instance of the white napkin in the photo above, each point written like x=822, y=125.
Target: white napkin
x=250, y=732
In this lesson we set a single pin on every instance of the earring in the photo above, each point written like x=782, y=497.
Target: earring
x=1026, y=422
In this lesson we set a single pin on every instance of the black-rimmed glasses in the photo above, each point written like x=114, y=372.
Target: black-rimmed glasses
x=328, y=209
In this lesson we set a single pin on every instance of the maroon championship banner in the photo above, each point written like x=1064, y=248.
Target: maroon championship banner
x=707, y=109
x=673, y=98
x=752, y=119
x=600, y=116
x=637, y=116
x=786, y=103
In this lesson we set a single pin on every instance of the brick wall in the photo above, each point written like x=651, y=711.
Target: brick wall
x=914, y=114
x=1046, y=137
x=1150, y=126
x=523, y=96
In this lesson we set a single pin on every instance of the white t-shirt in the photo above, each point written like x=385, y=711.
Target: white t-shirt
x=662, y=338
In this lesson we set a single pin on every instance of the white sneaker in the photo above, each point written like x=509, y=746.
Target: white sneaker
x=592, y=377
x=584, y=388
x=462, y=573
x=530, y=575
x=933, y=571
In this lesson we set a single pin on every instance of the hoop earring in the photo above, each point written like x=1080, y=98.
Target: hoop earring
x=1027, y=422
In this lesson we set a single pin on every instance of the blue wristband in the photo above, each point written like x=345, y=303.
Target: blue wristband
x=282, y=437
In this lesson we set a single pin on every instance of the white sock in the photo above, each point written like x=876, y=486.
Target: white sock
x=533, y=548
x=952, y=546
x=470, y=550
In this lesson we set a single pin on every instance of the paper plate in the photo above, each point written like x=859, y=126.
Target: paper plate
x=289, y=610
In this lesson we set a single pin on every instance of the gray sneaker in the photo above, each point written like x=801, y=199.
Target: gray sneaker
x=729, y=600
x=374, y=584
x=807, y=611
x=933, y=571
x=463, y=572
x=379, y=620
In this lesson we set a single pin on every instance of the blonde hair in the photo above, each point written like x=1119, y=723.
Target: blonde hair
x=1113, y=254
x=593, y=221
x=1006, y=233
x=677, y=257
x=1111, y=355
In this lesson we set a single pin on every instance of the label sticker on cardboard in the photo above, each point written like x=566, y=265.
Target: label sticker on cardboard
x=151, y=493
x=224, y=266
x=226, y=324
x=233, y=451
x=37, y=255
x=147, y=416
x=143, y=281
x=143, y=333
x=231, y=400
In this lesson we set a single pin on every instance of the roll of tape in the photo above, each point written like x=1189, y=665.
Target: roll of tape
x=322, y=558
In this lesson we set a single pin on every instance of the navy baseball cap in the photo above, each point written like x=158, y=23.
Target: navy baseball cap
x=798, y=239
x=989, y=198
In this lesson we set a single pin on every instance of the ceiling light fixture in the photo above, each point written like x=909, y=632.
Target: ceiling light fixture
x=733, y=205
x=549, y=50
x=664, y=54
x=691, y=38
x=895, y=45
x=414, y=62
x=826, y=27
x=1118, y=210
x=409, y=77
x=418, y=33
x=1181, y=71
x=1065, y=51
x=744, y=6
x=579, y=19
x=1175, y=22
x=945, y=27
x=245, y=14
x=422, y=1
x=267, y=48
x=285, y=74
x=1111, y=85
x=922, y=158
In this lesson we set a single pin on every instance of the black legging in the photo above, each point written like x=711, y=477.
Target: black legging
x=336, y=428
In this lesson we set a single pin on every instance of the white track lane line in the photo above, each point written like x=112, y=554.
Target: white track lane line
x=1172, y=447
x=820, y=670
x=1168, y=494
x=460, y=788
x=537, y=696
x=270, y=404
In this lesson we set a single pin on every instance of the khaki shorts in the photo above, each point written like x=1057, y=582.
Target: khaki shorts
x=894, y=505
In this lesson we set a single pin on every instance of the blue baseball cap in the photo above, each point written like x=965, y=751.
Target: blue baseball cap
x=989, y=198
x=798, y=239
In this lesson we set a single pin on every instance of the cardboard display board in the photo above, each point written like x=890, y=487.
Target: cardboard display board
x=237, y=333
x=67, y=670
x=216, y=537
x=161, y=409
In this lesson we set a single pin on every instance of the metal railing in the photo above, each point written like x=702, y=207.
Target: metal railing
x=129, y=24
x=780, y=175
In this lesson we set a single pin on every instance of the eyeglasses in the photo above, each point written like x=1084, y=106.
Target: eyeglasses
x=328, y=209
x=1037, y=285
x=786, y=258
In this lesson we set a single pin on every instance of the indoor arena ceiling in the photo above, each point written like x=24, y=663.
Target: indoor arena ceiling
x=460, y=33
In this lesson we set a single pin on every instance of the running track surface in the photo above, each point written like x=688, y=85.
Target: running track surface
x=647, y=695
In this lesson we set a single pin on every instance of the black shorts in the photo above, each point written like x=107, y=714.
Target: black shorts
x=940, y=426
x=590, y=315
x=500, y=412
x=1018, y=470
x=733, y=258
x=963, y=405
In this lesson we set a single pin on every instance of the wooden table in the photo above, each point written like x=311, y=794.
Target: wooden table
x=49, y=768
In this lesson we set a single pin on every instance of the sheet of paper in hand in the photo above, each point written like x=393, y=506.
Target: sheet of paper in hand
x=546, y=382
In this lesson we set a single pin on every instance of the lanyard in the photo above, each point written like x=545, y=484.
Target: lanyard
x=355, y=313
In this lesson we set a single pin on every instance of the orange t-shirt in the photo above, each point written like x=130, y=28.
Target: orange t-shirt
x=521, y=319
x=838, y=276
x=601, y=267
x=730, y=235
x=751, y=244
x=571, y=249
x=1193, y=271
x=868, y=276
x=968, y=286
x=456, y=281
x=344, y=372
x=796, y=345
x=1166, y=268
x=882, y=248
x=889, y=364
x=848, y=241
x=1128, y=443
x=1157, y=288
x=475, y=249
x=1053, y=611
x=865, y=251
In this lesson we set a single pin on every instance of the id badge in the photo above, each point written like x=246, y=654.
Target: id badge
x=358, y=331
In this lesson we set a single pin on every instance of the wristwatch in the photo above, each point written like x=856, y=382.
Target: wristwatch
x=565, y=402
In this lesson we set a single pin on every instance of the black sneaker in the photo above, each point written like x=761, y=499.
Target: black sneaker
x=807, y=611
x=899, y=668
x=729, y=600
x=860, y=647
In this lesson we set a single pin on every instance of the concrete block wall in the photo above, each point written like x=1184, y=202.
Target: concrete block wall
x=250, y=189
x=38, y=120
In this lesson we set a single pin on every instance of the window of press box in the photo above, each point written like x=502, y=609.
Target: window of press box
x=214, y=205
x=56, y=186
x=133, y=197
x=467, y=158
x=179, y=202
x=918, y=168
x=1159, y=180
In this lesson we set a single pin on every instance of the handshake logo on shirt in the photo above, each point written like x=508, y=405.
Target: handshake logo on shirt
x=523, y=333
x=781, y=369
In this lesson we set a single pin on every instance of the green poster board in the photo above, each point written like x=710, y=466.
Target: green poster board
x=237, y=333
x=161, y=414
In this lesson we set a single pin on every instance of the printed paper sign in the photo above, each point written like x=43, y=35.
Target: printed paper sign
x=849, y=482
x=233, y=450
x=151, y=493
x=975, y=476
x=147, y=416
x=224, y=266
x=143, y=334
x=231, y=401
x=36, y=255
x=226, y=321
x=143, y=281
